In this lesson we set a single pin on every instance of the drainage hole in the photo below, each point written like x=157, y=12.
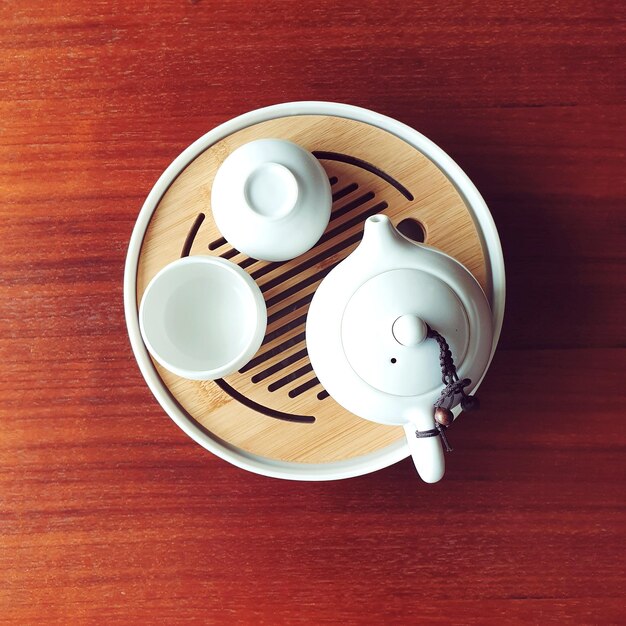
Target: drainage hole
x=412, y=229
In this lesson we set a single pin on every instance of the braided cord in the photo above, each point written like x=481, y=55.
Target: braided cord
x=453, y=386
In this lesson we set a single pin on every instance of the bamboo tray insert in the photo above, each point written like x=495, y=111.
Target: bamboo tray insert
x=275, y=407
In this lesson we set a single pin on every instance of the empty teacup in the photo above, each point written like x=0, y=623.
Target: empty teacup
x=271, y=199
x=202, y=317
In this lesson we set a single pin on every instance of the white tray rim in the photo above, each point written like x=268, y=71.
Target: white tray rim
x=336, y=470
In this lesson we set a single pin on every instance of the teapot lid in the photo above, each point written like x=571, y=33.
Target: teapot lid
x=383, y=331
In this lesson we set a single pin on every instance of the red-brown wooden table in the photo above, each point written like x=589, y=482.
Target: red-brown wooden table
x=108, y=513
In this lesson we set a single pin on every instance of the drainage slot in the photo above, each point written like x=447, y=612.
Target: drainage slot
x=281, y=382
x=289, y=309
x=191, y=235
x=377, y=208
x=264, y=410
x=247, y=262
x=266, y=269
x=266, y=356
x=283, y=295
x=357, y=202
x=294, y=271
x=342, y=193
x=284, y=329
x=229, y=254
x=218, y=243
x=262, y=375
x=364, y=165
x=298, y=391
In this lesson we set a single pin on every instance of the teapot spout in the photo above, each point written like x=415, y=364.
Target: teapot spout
x=380, y=235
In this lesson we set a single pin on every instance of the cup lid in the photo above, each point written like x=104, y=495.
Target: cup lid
x=271, y=199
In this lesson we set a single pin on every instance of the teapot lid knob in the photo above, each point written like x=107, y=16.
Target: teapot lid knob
x=409, y=330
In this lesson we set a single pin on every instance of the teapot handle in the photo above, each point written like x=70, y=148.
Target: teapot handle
x=427, y=452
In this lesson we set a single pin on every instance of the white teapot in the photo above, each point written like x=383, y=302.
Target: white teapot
x=370, y=331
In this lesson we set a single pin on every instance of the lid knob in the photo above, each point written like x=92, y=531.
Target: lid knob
x=409, y=330
x=271, y=190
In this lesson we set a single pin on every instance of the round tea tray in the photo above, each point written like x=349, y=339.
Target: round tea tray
x=273, y=417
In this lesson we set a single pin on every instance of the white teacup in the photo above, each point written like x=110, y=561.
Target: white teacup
x=271, y=199
x=202, y=317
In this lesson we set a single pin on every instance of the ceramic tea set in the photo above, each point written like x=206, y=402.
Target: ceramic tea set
x=397, y=333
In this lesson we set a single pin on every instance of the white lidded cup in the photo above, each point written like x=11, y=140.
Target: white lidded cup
x=202, y=317
x=271, y=199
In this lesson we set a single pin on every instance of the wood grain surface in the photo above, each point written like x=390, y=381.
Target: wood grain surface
x=110, y=514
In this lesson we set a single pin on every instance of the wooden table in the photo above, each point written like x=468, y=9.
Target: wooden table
x=109, y=513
